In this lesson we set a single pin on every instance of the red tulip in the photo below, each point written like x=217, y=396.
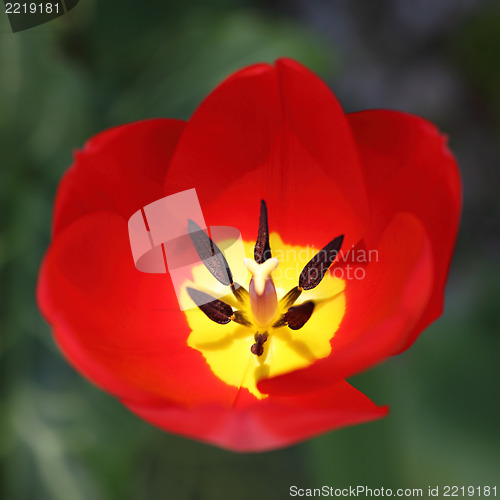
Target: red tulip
x=379, y=186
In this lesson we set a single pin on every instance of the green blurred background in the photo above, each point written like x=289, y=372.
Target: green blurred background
x=106, y=63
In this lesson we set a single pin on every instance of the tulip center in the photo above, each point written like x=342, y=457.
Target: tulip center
x=257, y=341
x=262, y=292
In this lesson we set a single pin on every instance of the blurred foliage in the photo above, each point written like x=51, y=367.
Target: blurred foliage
x=473, y=48
x=108, y=63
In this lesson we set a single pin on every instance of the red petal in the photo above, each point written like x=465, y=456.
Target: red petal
x=272, y=423
x=279, y=134
x=408, y=168
x=120, y=170
x=381, y=311
x=120, y=327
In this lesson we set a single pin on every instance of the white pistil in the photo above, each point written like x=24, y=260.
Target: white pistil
x=262, y=293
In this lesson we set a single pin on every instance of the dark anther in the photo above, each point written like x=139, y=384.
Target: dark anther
x=258, y=347
x=262, y=250
x=315, y=269
x=210, y=254
x=289, y=299
x=296, y=317
x=240, y=318
x=215, y=309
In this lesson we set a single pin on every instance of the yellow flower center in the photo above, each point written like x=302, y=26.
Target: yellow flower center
x=227, y=347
